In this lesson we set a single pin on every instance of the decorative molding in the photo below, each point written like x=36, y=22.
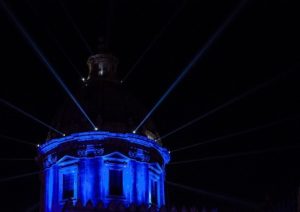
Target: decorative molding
x=102, y=136
x=50, y=160
x=90, y=150
x=139, y=154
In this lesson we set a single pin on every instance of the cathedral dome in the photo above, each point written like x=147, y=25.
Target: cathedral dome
x=104, y=162
x=109, y=106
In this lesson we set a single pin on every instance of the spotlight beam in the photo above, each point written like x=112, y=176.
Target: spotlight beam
x=44, y=60
x=239, y=154
x=18, y=176
x=33, y=207
x=17, y=140
x=29, y=116
x=109, y=23
x=17, y=159
x=52, y=36
x=224, y=198
x=151, y=44
x=231, y=135
x=197, y=57
x=65, y=55
x=87, y=46
x=226, y=104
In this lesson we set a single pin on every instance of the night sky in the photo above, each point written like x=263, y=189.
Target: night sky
x=260, y=46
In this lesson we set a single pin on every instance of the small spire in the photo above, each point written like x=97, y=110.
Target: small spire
x=102, y=45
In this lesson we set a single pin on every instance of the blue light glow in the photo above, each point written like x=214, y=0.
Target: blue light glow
x=49, y=189
x=94, y=166
x=101, y=136
x=141, y=177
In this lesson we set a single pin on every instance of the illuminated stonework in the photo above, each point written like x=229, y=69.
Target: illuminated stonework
x=102, y=167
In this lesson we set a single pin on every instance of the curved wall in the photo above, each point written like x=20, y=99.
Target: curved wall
x=102, y=167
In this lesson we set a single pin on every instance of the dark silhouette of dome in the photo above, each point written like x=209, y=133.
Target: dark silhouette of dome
x=107, y=103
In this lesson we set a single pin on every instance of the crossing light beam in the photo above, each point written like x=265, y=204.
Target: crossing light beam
x=234, y=155
x=44, y=59
x=225, y=198
x=232, y=135
x=17, y=140
x=18, y=176
x=29, y=116
x=87, y=46
x=224, y=105
x=152, y=43
x=17, y=159
x=196, y=58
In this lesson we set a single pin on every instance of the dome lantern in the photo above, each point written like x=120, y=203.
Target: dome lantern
x=102, y=66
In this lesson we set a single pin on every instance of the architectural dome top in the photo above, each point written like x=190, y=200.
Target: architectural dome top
x=109, y=106
x=104, y=161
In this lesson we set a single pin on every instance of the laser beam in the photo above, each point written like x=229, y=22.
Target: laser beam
x=52, y=36
x=224, y=198
x=222, y=106
x=17, y=140
x=44, y=60
x=240, y=154
x=66, y=57
x=109, y=23
x=231, y=135
x=151, y=44
x=87, y=46
x=196, y=58
x=29, y=116
x=17, y=159
x=33, y=207
x=18, y=176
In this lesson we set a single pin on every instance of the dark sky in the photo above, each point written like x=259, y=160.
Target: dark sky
x=260, y=44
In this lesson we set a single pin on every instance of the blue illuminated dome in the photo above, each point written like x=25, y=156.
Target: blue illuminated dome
x=110, y=165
